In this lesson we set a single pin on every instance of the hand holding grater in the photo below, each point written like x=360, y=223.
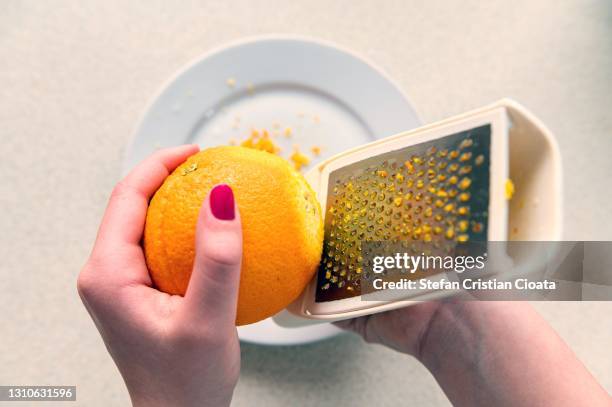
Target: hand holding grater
x=489, y=175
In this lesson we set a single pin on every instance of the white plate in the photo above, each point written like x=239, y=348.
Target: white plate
x=326, y=96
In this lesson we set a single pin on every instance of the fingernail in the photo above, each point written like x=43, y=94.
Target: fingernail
x=222, y=202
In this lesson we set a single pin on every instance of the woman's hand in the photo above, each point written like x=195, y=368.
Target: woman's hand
x=486, y=353
x=403, y=329
x=170, y=350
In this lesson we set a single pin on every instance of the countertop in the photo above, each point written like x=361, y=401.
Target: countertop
x=75, y=77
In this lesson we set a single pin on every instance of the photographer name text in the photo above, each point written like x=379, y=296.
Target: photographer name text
x=466, y=284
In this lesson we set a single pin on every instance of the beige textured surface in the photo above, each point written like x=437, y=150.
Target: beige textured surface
x=75, y=76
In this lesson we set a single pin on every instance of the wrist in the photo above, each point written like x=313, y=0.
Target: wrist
x=161, y=399
x=459, y=330
x=152, y=401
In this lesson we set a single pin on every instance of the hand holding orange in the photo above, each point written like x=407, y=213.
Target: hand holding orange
x=281, y=221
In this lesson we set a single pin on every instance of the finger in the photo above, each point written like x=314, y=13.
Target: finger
x=212, y=293
x=356, y=325
x=124, y=219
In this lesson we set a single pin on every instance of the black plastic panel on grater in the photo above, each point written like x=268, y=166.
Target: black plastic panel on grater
x=435, y=193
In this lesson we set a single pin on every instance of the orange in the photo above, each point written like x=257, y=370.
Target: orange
x=281, y=224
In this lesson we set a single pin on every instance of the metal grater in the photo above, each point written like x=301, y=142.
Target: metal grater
x=435, y=193
x=433, y=188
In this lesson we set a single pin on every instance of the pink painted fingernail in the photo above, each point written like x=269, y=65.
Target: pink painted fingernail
x=222, y=202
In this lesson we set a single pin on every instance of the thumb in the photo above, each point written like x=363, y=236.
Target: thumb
x=212, y=293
